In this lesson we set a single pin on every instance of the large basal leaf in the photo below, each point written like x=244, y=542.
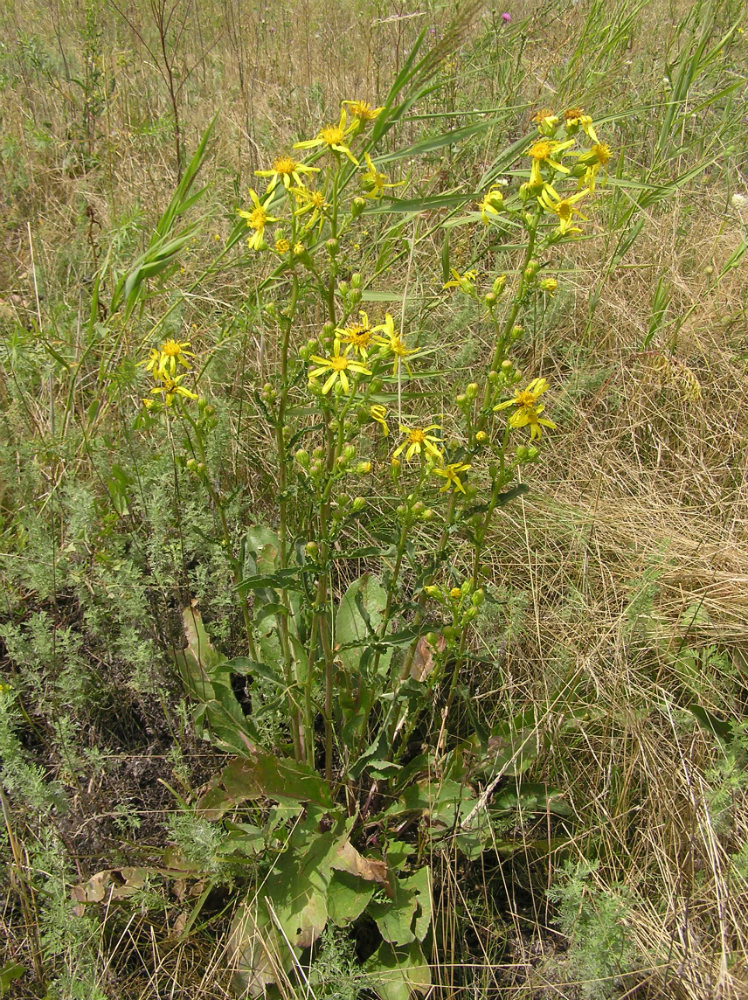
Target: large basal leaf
x=396, y=973
x=358, y=619
x=264, y=776
x=441, y=803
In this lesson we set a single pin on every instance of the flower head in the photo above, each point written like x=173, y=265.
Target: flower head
x=310, y=201
x=333, y=137
x=527, y=412
x=544, y=151
x=362, y=111
x=171, y=388
x=546, y=121
x=465, y=282
x=551, y=201
x=575, y=118
x=451, y=473
x=339, y=366
x=257, y=218
x=286, y=169
x=419, y=442
x=393, y=343
x=374, y=181
x=593, y=160
x=379, y=414
x=163, y=362
x=357, y=335
x=491, y=204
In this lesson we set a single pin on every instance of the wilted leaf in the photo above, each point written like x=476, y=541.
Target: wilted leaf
x=265, y=776
x=111, y=884
x=348, y=859
x=423, y=658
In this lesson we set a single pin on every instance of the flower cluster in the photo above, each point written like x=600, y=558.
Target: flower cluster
x=310, y=205
x=550, y=166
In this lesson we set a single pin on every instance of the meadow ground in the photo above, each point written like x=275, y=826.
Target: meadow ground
x=598, y=695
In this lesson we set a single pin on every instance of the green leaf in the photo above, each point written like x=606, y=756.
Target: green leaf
x=347, y=897
x=8, y=974
x=395, y=917
x=264, y=776
x=358, y=618
x=397, y=972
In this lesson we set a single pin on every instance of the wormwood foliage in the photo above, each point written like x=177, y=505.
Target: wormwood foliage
x=381, y=755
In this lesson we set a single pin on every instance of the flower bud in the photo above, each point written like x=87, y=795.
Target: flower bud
x=356, y=280
x=311, y=549
x=490, y=299
x=395, y=466
x=334, y=425
x=548, y=285
x=461, y=399
x=332, y=246
x=191, y=464
x=499, y=283
x=478, y=598
x=472, y=390
x=343, y=499
x=427, y=515
x=506, y=365
x=363, y=468
x=532, y=269
x=302, y=457
x=318, y=453
x=328, y=330
x=356, y=295
x=455, y=593
x=532, y=453
x=432, y=591
x=401, y=510
x=357, y=206
x=418, y=508
x=469, y=615
x=517, y=332
x=349, y=451
x=358, y=505
x=493, y=377
x=481, y=437
x=343, y=287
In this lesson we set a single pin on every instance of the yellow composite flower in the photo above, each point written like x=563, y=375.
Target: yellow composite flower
x=282, y=245
x=465, y=282
x=552, y=202
x=164, y=361
x=418, y=441
x=528, y=412
x=333, y=137
x=374, y=181
x=593, y=160
x=363, y=111
x=257, y=218
x=529, y=416
x=575, y=118
x=379, y=413
x=310, y=201
x=394, y=343
x=546, y=121
x=358, y=335
x=526, y=397
x=286, y=169
x=491, y=203
x=171, y=388
x=339, y=365
x=544, y=151
x=451, y=473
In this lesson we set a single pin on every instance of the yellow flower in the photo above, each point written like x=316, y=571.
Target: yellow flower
x=333, y=137
x=282, y=245
x=543, y=151
x=379, y=414
x=171, y=389
x=451, y=473
x=363, y=111
x=526, y=397
x=546, y=121
x=593, y=159
x=418, y=441
x=358, y=335
x=286, y=169
x=163, y=362
x=257, y=219
x=528, y=412
x=529, y=416
x=548, y=285
x=465, y=282
x=564, y=208
x=393, y=342
x=310, y=201
x=491, y=203
x=338, y=365
x=575, y=118
x=373, y=181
